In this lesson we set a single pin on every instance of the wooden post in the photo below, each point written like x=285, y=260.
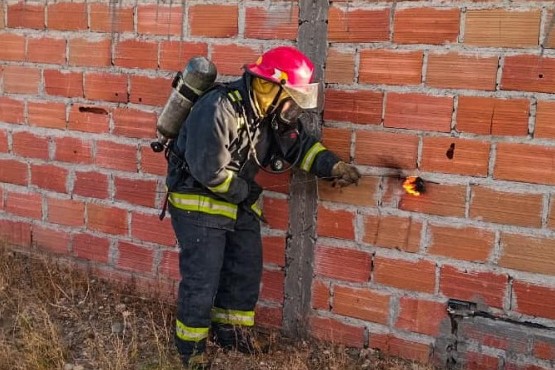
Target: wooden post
x=312, y=40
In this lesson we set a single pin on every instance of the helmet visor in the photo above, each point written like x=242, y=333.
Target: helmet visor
x=305, y=96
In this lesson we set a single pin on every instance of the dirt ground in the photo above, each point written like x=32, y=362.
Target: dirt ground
x=52, y=317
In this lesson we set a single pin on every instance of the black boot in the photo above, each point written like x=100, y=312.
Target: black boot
x=237, y=338
x=196, y=362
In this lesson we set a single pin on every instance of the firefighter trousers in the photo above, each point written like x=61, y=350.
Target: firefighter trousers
x=220, y=277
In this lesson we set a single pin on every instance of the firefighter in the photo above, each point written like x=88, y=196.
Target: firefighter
x=232, y=131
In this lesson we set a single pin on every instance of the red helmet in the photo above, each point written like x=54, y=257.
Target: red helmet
x=287, y=66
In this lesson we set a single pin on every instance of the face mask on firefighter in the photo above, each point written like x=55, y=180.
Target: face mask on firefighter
x=288, y=112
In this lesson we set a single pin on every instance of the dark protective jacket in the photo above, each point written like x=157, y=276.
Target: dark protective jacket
x=211, y=165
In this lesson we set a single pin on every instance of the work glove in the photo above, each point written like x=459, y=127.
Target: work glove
x=344, y=174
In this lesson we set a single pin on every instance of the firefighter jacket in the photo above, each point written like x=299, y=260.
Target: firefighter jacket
x=211, y=166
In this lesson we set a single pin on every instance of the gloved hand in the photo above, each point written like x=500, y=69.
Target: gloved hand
x=345, y=174
x=254, y=193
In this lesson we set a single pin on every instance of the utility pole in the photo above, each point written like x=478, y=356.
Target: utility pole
x=312, y=40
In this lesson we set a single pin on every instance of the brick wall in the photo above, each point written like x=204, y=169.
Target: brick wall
x=458, y=92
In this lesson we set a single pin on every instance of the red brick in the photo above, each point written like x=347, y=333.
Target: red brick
x=486, y=287
x=47, y=114
x=496, y=335
x=278, y=183
x=135, y=191
x=26, y=15
x=439, y=199
x=209, y=20
x=457, y=156
x=67, y=16
x=390, y=67
x=11, y=110
x=356, y=106
x=338, y=140
x=21, y=80
x=392, y=232
x=502, y=28
x=272, y=288
x=230, y=58
x=398, y=347
x=72, y=149
x=26, y=144
x=89, y=118
x=67, y=212
x=526, y=297
x=46, y=50
x=492, y=116
x=274, y=250
x=51, y=240
x=335, y=223
x=320, y=295
x=276, y=212
x=418, y=112
x=106, y=87
x=544, y=348
x=526, y=163
x=91, y=248
x=358, y=25
x=13, y=171
x=408, y=275
x=24, y=204
x=276, y=22
x=331, y=262
x=136, y=54
x=169, y=265
x=480, y=361
x=80, y=52
x=374, y=148
x=134, y=257
x=506, y=208
x=15, y=233
x=160, y=19
x=12, y=47
x=426, y=26
x=549, y=41
x=421, y=316
x=174, y=55
x=364, y=304
x=528, y=253
x=106, y=219
x=91, y=184
x=134, y=123
x=3, y=142
x=153, y=163
x=361, y=195
x=340, y=66
x=149, y=228
x=529, y=73
x=462, y=243
x=111, y=18
x=269, y=317
x=50, y=177
x=110, y=154
x=331, y=330
x=459, y=71
x=545, y=116
x=149, y=90
x=63, y=83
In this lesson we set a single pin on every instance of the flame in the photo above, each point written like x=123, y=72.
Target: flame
x=413, y=185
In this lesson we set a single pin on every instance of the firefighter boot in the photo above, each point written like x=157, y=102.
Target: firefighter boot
x=196, y=362
x=241, y=339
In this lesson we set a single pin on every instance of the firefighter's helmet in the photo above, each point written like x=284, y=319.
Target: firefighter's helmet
x=288, y=67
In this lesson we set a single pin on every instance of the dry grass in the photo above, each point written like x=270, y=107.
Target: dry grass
x=52, y=317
